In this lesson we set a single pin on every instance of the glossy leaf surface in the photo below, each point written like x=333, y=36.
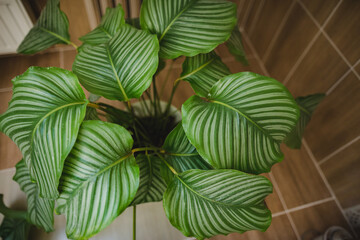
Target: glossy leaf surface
x=203, y=71
x=51, y=28
x=43, y=119
x=40, y=210
x=188, y=27
x=203, y=203
x=100, y=179
x=307, y=106
x=120, y=69
x=242, y=123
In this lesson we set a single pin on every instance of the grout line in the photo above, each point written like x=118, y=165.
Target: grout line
x=328, y=186
x=352, y=69
x=3, y=90
x=338, y=150
x=282, y=200
x=312, y=42
x=278, y=31
x=246, y=15
x=304, y=206
x=256, y=18
x=328, y=38
x=301, y=58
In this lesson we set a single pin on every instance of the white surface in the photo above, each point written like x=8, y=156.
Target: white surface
x=14, y=25
x=152, y=223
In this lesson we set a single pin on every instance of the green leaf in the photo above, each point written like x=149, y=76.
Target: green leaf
x=51, y=28
x=110, y=24
x=135, y=22
x=180, y=154
x=91, y=114
x=307, y=106
x=152, y=186
x=100, y=179
x=120, y=69
x=205, y=203
x=118, y=116
x=14, y=229
x=203, y=71
x=188, y=27
x=11, y=213
x=242, y=123
x=43, y=119
x=40, y=210
x=236, y=48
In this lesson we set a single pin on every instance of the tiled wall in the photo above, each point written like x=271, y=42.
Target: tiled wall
x=311, y=47
x=314, y=46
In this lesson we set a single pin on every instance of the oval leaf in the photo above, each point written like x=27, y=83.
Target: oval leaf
x=120, y=69
x=188, y=27
x=110, y=24
x=203, y=71
x=51, y=28
x=205, y=203
x=152, y=186
x=242, y=123
x=180, y=154
x=236, y=48
x=307, y=106
x=100, y=179
x=40, y=210
x=14, y=229
x=43, y=119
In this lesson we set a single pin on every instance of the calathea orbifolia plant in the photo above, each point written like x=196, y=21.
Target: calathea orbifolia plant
x=204, y=167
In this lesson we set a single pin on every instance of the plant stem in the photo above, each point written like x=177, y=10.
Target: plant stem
x=167, y=164
x=134, y=222
x=93, y=105
x=143, y=149
x=171, y=98
x=166, y=79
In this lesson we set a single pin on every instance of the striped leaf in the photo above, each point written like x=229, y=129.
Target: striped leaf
x=203, y=71
x=14, y=229
x=205, y=203
x=152, y=186
x=91, y=114
x=120, y=69
x=180, y=154
x=242, y=123
x=110, y=24
x=307, y=106
x=40, y=210
x=236, y=48
x=188, y=27
x=51, y=28
x=43, y=119
x=100, y=179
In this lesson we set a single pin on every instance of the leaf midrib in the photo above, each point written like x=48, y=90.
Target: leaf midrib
x=304, y=110
x=206, y=198
x=70, y=196
x=176, y=17
x=198, y=69
x=51, y=112
x=115, y=73
x=243, y=115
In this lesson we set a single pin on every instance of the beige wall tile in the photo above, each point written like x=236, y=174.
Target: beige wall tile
x=297, y=33
x=298, y=179
x=336, y=121
x=344, y=28
x=343, y=173
x=318, y=71
x=312, y=222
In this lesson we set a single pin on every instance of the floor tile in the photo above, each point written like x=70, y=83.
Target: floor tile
x=343, y=29
x=313, y=221
x=336, y=121
x=272, y=201
x=253, y=66
x=298, y=179
x=295, y=36
x=343, y=172
x=69, y=57
x=318, y=71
